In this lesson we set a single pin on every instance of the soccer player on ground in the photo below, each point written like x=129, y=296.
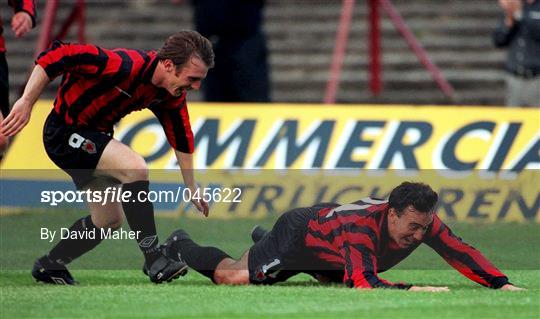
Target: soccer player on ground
x=98, y=88
x=350, y=243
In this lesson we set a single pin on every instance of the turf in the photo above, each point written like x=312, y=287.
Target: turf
x=112, y=284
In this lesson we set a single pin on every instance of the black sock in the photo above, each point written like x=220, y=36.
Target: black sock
x=204, y=260
x=69, y=249
x=140, y=217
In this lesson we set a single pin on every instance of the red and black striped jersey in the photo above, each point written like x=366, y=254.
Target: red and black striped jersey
x=101, y=86
x=28, y=6
x=354, y=238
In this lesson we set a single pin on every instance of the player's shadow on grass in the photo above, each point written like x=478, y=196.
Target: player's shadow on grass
x=308, y=283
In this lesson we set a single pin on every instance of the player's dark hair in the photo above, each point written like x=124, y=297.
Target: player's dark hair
x=419, y=195
x=183, y=45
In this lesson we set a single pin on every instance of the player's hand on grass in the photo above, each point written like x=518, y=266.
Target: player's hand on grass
x=17, y=118
x=429, y=289
x=511, y=287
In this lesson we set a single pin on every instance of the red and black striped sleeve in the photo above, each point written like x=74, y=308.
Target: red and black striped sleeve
x=83, y=59
x=360, y=260
x=175, y=123
x=463, y=257
x=28, y=6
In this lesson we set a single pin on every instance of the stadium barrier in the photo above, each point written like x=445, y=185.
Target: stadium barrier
x=483, y=161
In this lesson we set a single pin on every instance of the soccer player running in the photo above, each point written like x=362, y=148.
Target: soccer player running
x=350, y=243
x=98, y=88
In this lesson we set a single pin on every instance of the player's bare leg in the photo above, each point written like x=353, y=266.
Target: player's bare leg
x=232, y=272
x=122, y=163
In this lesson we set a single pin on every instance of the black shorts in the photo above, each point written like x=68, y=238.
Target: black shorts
x=281, y=253
x=75, y=150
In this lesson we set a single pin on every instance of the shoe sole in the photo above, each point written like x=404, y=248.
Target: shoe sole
x=55, y=280
x=181, y=272
x=56, y=283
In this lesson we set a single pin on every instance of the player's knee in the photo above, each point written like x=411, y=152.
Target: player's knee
x=115, y=224
x=135, y=170
x=220, y=277
x=230, y=277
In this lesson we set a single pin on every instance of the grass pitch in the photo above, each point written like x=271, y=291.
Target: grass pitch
x=112, y=284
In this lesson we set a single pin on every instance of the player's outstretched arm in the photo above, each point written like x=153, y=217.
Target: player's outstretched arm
x=429, y=289
x=464, y=258
x=20, y=114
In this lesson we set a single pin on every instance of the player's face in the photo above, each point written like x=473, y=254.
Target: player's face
x=409, y=228
x=188, y=77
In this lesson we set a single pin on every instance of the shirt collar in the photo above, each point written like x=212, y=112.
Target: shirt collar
x=151, y=68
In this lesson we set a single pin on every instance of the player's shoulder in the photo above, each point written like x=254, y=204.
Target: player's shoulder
x=371, y=205
x=366, y=208
x=371, y=201
x=134, y=55
x=325, y=205
x=72, y=48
